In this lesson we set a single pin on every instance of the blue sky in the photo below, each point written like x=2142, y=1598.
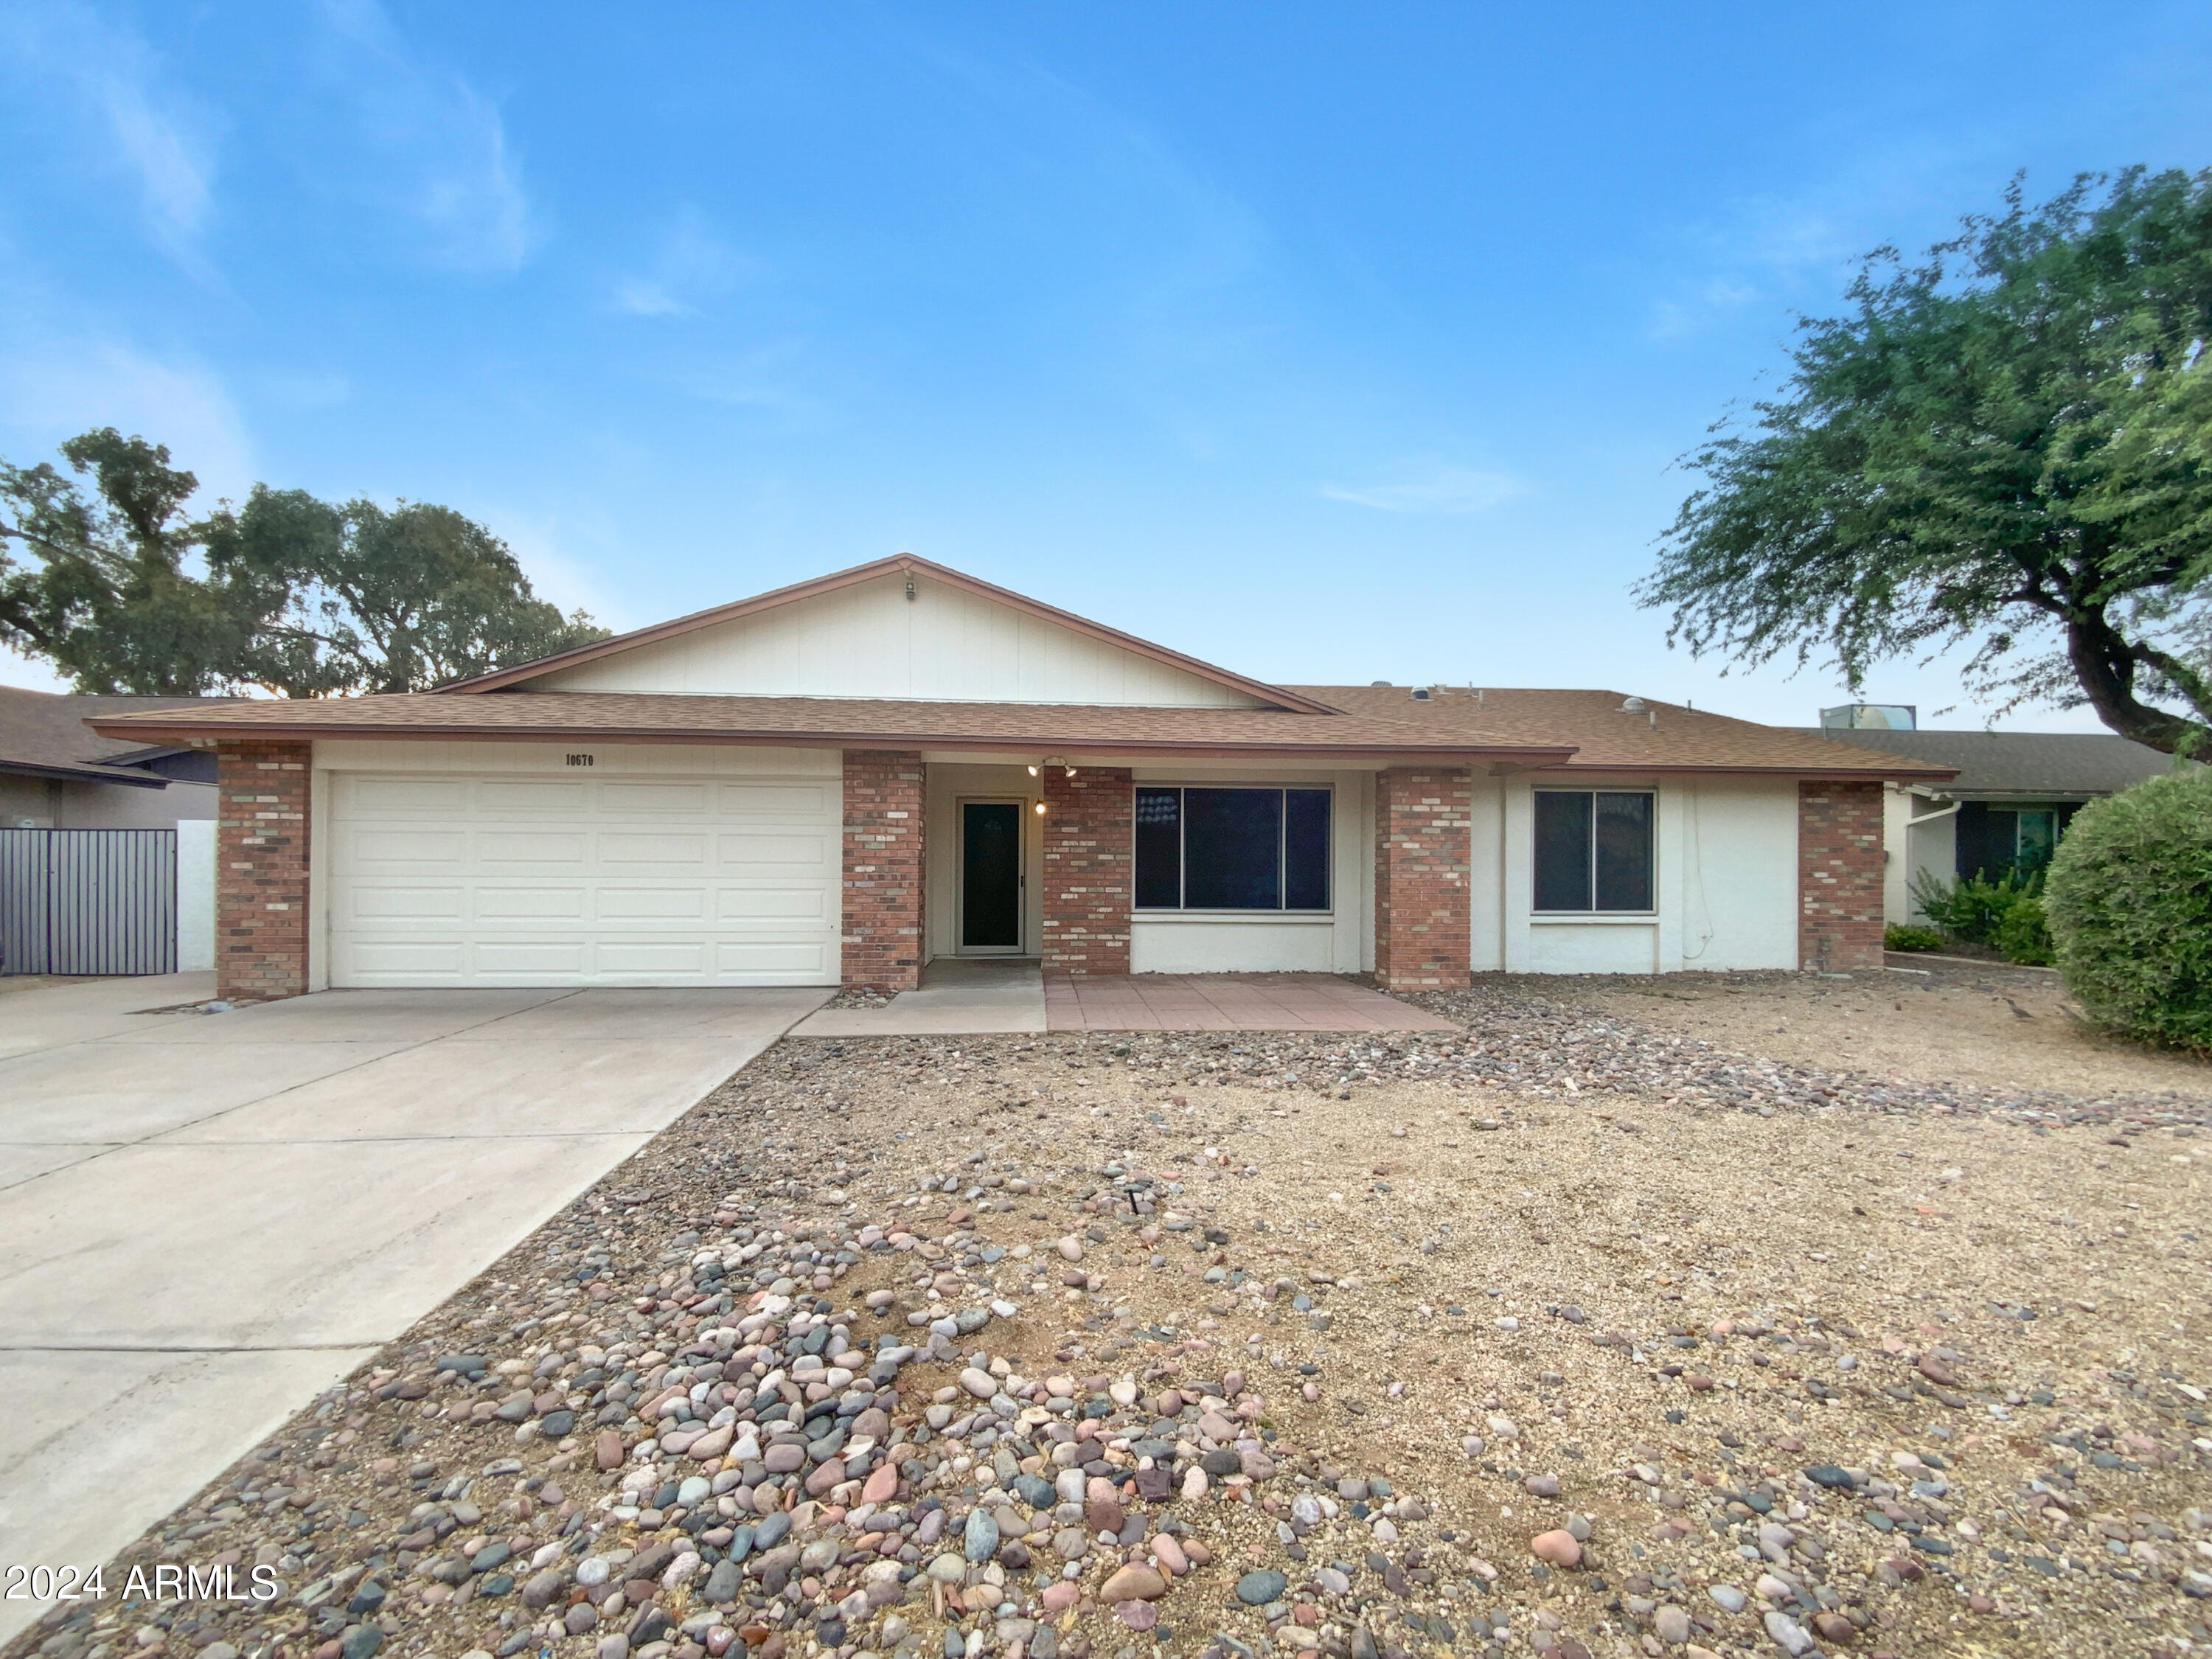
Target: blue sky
x=1330, y=343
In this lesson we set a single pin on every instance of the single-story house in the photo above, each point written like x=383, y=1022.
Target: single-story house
x=835, y=782
x=2011, y=800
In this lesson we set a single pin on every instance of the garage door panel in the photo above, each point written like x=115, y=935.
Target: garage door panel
x=629, y=903
x=775, y=961
x=776, y=905
x=407, y=849
x=440, y=799
x=677, y=958
x=657, y=851
x=584, y=881
x=773, y=853
x=544, y=848
x=655, y=800
x=494, y=904
x=446, y=903
x=532, y=798
x=406, y=962
x=769, y=803
x=493, y=958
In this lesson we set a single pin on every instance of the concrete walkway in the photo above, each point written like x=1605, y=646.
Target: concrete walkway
x=981, y=996
x=960, y=996
x=1229, y=1002
x=204, y=1219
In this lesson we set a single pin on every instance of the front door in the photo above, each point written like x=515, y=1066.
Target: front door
x=991, y=877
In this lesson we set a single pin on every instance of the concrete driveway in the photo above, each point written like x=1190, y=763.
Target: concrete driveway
x=204, y=1219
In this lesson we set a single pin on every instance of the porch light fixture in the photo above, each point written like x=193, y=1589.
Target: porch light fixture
x=1033, y=771
x=1039, y=808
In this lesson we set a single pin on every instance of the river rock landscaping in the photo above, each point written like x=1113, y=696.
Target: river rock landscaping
x=1560, y=1334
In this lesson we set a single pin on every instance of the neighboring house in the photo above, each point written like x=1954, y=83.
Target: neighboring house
x=2012, y=799
x=57, y=774
x=837, y=782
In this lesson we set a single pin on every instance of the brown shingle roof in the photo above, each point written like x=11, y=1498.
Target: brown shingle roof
x=1656, y=738
x=44, y=733
x=1578, y=730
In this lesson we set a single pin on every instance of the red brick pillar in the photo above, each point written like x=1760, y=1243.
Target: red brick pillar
x=1422, y=854
x=1089, y=870
x=261, y=833
x=1838, y=875
x=884, y=942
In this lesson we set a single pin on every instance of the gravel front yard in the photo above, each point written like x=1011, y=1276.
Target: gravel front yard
x=1568, y=1335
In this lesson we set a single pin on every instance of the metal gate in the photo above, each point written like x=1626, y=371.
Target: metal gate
x=88, y=901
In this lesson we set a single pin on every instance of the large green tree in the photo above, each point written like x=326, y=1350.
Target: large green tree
x=289, y=594
x=2005, y=444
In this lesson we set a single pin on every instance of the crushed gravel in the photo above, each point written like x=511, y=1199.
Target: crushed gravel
x=1568, y=1335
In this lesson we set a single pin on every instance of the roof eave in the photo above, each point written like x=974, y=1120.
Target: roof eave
x=83, y=775
x=784, y=737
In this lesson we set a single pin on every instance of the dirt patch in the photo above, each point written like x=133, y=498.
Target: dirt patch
x=1801, y=1369
x=1992, y=1027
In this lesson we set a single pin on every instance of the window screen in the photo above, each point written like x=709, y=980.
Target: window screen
x=1594, y=849
x=1233, y=849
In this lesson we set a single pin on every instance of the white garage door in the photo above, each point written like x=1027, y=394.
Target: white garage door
x=583, y=881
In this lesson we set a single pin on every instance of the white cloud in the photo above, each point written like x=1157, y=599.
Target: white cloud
x=443, y=152
x=147, y=126
x=59, y=388
x=1444, y=489
x=692, y=265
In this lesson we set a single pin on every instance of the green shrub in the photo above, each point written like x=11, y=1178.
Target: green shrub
x=1906, y=936
x=2130, y=906
x=1974, y=909
x=2024, y=935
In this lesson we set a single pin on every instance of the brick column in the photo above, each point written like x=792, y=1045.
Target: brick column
x=261, y=870
x=1089, y=870
x=1838, y=875
x=884, y=942
x=1422, y=853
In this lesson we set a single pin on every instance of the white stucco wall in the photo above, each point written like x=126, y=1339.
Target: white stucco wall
x=1917, y=835
x=195, y=894
x=870, y=640
x=1725, y=881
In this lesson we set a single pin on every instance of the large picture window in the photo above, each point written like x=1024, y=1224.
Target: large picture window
x=1233, y=849
x=1594, y=849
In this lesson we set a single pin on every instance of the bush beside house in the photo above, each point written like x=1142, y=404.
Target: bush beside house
x=2130, y=897
x=2003, y=913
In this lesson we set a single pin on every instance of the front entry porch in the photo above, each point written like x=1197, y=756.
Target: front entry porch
x=966, y=997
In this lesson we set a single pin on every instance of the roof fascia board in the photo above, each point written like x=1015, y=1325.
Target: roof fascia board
x=786, y=738
x=577, y=655
x=1826, y=775
x=83, y=775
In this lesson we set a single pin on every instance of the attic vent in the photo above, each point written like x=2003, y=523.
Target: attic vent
x=1421, y=694
x=1379, y=685
x=1633, y=706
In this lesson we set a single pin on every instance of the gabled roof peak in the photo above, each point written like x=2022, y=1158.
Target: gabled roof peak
x=501, y=679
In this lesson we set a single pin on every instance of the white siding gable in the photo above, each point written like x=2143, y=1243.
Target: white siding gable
x=869, y=640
